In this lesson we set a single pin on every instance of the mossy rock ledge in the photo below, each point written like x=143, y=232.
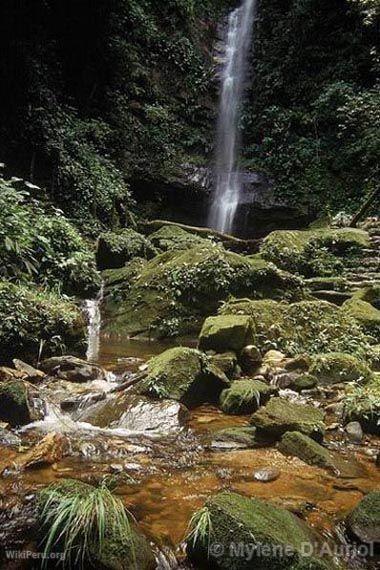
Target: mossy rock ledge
x=245, y=396
x=115, y=249
x=280, y=415
x=16, y=407
x=226, y=332
x=267, y=536
x=364, y=521
x=185, y=375
x=309, y=327
x=118, y=552
x=176, y=290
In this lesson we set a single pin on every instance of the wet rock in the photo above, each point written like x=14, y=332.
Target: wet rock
x=10, y=374
x=354, y=432
x=185, y=375
x=285, y=380
x=266, y=475
x=73, y=403
x=137, y=414
x=364, y=521
x=18, y=530
x=280, y=416
x=337, y=367
x=250, y=358
x=223, y=333
x=243, y=521
x=16, y=403
x=365, y=313
x=235, y=437
x=32, y=373
x=51, y=449
x=8, y=438
x=72, y=369
x=245, y=396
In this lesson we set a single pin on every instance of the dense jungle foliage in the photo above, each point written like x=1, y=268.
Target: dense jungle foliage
x=99, y=96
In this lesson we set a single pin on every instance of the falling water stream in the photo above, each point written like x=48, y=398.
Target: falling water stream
x=228, y=183
x=92, y=307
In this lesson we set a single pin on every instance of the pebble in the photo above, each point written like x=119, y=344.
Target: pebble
x=354, y=432
x=266, y=475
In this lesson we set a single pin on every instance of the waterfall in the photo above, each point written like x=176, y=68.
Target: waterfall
x=92, y=308
x=233, y=76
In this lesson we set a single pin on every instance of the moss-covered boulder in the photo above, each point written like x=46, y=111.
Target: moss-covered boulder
x=115, y=249
x=316, y=252
x=362, y=404
x=280, y=416
x=337, y=367
x=185, y=375
x=304, y=382
x=177, y=289
x=365, y=313
x=31, y=319
x=123, y=547
x=172, y=238
x=373, y=356
x=268, y=536
x=15, y=403
x=226, y=332
x=300, y=445
x=364, y=521
x=245, y=396
x=303, y=327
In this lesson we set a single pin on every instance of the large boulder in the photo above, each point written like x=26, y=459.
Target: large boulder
x=226, y=332
x=30, y=318
x=177, y=289
x=185, y=375
x=124, y=547
x=365, y=313
x=115, y=249
x=338, y=367
x=303, y=327
x=16, y=404
x=137, y=414
x=266, y=536
x=72, y=369
x=364, y=521
x=280, y=416
x=313, y=252
x=245, y=396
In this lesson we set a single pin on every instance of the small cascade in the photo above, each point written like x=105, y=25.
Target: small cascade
x=92, y=308
x=228, y=181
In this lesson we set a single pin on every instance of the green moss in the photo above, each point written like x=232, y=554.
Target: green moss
x=14, y=407
x=185, y=375
x=176, y=289
x=115, y=249
x=313, y=252
x=245, y=396
x=280, y=416
x=32, y=321
x=226, y=332
x=373, y=356
x=304, y=382
x=171, y=238
x=336, y=367
x=306, y=326
x=226, y=361
x=242, y=435
x=364, y=520
x=300, y=445
x=366, y=314
x=244, y=521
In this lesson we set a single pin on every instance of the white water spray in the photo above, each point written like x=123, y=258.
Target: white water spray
x=92, y=307
x=228, y=183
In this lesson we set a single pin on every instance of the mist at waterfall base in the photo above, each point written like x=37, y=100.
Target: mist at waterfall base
x=228, y=179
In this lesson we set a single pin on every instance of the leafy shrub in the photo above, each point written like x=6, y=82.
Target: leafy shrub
x=33, y=321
